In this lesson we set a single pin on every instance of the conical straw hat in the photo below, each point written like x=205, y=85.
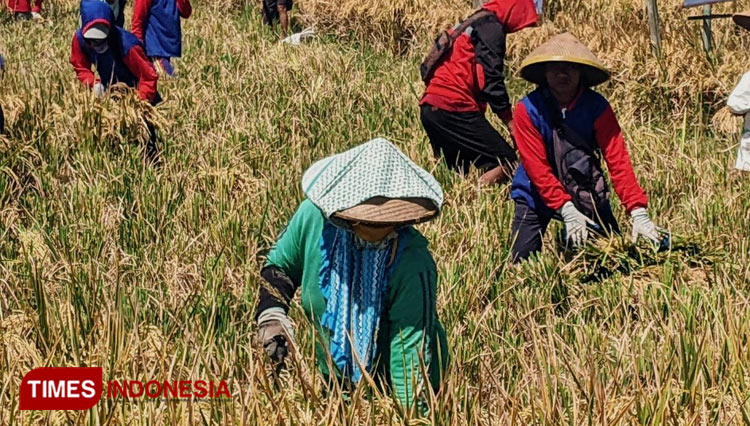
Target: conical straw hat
x=564, y=48
x=373, y=183
x=390, y=211
x=742, y=19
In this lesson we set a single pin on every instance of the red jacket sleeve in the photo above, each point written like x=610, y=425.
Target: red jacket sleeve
x=184, y=7
x=534, y=159
x=81, y=64
x=140, y=18
x=611, y=142
x=37, y=6
x=144, y=70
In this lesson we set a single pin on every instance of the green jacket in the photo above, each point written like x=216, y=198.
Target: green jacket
x=409, y=323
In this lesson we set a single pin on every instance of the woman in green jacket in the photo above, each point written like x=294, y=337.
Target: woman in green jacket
x=367, y=276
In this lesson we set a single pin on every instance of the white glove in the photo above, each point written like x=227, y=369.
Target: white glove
x=575, y=224
x=300, y=37
x=36, y=16
x=644, y=227
x=99, y=90
x=275, y=333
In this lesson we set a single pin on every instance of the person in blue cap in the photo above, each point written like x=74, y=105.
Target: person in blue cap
x=118, y=56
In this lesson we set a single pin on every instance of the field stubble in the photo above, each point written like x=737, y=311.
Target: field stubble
x=154, y=273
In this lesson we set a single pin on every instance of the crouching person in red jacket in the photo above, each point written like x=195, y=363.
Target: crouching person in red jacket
x=118, y=57
x=464, y=81
x=561, y=129
x=25, y=10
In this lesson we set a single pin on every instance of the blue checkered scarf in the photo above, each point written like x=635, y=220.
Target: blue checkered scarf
x=354, y=279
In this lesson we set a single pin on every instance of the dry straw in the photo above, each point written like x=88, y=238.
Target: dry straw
x=682, y=78
x=726, y=123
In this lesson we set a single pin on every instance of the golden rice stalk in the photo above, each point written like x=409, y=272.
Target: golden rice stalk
x=125, y=115
x=726, y=123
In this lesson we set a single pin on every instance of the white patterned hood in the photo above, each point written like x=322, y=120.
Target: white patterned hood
x=374, y=169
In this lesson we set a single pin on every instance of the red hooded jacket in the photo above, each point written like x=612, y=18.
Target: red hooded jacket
x=24, y=6
x=124, y=61
x=472, y=74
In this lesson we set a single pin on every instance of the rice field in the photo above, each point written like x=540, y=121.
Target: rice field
x=153, y=272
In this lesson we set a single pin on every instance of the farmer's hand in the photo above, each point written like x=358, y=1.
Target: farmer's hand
x=36, y=16
x=275, y=333
x=99, y=90
x=511, y=130
x=495, y=176
x=507, y=118
x=644, y=227
x=575, y=224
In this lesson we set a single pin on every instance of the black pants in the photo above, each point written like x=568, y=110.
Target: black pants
x=529, y=227
x=2, y=121
x=465, y=139
x=271, y=11
x=151, y=151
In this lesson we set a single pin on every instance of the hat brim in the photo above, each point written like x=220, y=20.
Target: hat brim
x=592, y=73
x=382, y=211
x=95, y=34
x=742, y=19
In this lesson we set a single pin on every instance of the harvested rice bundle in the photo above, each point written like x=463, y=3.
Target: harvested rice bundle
x=726, y=123
x=126, y=118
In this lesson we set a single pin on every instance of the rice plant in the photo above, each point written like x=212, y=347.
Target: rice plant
x=153, y=272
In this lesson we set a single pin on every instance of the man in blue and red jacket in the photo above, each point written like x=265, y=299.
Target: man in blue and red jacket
x=117, y=55
x=564, y=70
x=156, y=23
x=470, y=77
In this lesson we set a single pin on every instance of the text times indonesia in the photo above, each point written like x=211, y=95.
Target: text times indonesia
x=80, y=388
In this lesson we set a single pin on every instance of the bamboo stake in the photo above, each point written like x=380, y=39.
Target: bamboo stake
x=654, y=26
x=706, y=33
